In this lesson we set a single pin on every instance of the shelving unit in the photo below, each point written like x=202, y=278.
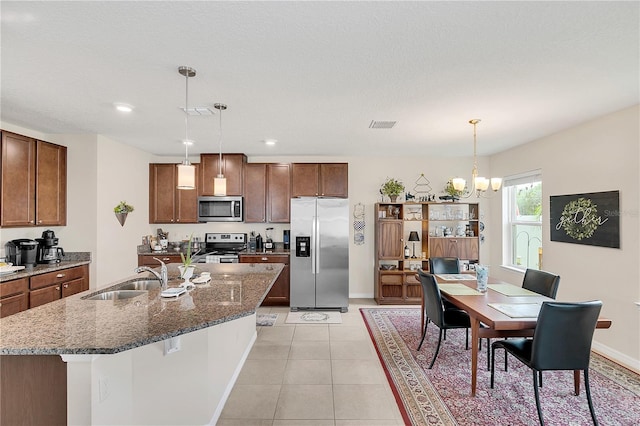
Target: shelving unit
x=445, y=230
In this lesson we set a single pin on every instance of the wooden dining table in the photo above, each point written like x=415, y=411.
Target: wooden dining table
x=496, y=323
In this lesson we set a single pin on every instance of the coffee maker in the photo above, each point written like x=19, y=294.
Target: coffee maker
x=48, y=250
x=22, y=252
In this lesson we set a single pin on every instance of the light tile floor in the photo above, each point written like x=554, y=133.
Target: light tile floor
x=312, y=375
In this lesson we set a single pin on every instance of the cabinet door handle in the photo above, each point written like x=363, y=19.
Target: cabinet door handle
x=264, y=259
x=166, y=258
x=57, y=288
x=60, y=276
x=66, y=286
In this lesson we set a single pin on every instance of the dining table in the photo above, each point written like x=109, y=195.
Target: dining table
x=504, y=310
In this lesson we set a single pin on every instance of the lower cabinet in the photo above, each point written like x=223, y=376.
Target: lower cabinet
x=55, y=285
x=398, y=287
x=279, y=293
x=14, y=296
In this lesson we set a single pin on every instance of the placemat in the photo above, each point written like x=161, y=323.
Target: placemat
x=512, y=290
x=456, y=277
x=518, y=310
x=458, y=290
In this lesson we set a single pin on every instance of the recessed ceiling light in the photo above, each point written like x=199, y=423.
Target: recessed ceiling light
x=270, y=142
x=123, y=107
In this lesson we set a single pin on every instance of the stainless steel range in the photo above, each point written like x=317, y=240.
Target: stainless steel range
x=223, y=248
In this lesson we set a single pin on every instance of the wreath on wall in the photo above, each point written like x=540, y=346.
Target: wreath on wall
x=580, y=218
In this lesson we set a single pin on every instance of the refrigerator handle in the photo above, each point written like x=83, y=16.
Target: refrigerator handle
x=314, y=237
x=317, y=245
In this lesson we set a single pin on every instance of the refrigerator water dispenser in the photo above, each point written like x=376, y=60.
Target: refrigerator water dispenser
x=303, y=248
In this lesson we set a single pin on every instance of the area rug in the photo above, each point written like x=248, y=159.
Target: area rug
x=313, y=317
x=441, y=396
x=266, y=320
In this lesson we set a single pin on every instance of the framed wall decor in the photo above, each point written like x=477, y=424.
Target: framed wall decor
x=591, y=219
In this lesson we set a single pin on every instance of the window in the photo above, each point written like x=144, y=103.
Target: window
x=522, y=220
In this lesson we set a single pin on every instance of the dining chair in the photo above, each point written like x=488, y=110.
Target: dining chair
x=561, y=341
x=444, y=319
x=444, y=265
x=541, y=282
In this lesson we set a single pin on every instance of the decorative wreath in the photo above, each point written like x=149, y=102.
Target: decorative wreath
x=580, y=218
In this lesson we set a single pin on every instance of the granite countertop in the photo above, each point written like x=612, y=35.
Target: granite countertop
x=72, y=259
x=76, y=326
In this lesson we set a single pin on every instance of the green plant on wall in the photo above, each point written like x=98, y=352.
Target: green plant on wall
x=123, y=207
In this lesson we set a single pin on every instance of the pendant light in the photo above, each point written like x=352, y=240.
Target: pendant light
x=186, y=170
x=479, y=184
x=220, y=182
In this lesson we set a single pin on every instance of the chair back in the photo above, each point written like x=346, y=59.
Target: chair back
x=541, y=282
x=444, y=265
x=563, y=335
x=432, y=298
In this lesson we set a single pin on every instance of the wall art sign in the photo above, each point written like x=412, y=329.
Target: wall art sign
x=591, y=219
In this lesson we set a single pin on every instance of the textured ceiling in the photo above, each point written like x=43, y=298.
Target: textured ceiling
x=313, y=75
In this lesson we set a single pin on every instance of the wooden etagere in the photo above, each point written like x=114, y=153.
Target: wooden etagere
x=445, y=230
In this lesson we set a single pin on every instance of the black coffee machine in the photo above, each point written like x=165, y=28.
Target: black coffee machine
x=22, y=252
x=48, y=250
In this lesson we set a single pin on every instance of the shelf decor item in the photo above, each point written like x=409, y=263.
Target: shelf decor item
x=187, y=268
x=392, y=188
x=121, y=211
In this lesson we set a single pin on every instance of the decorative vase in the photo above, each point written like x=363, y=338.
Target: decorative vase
x=186, y=273
x=393, y=198
x=122, y=217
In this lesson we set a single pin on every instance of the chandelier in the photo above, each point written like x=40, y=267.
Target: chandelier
x=186, y=170
x=479, y=184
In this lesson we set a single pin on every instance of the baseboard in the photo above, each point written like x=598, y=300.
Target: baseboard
x=616, y=356
x=361, y=296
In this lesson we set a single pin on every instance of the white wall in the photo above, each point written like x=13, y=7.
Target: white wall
x=600, y=155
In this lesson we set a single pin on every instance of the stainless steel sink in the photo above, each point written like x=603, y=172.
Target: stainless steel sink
x=140, y=284
x=116, y=295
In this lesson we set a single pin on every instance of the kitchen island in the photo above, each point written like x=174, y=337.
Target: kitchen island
x=142, y=360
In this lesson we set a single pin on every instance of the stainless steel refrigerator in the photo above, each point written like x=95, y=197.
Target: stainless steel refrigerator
x=319, y=253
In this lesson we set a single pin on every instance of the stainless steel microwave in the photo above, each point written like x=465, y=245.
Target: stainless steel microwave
x=220, y=209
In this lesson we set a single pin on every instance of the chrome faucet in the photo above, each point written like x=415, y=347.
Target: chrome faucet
x=163, y=276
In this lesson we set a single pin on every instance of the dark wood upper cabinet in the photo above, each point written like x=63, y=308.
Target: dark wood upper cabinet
x=267, y=192
x=167, y=204
x=33, y=182
x=232, y=169
x=320, y=180
x=255, y=192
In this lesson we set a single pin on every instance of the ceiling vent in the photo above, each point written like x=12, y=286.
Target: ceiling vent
x=202, y=110
x=382, y=124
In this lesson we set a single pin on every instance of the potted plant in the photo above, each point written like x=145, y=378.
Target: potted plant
x=452, y=193
x=392, y=188
x=122, y=210
x=187, y=267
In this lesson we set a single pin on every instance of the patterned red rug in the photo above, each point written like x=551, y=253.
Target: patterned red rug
x=441, y=396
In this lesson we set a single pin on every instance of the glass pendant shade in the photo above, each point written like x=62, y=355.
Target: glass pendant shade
x=458, y=184
x=220, y=186
x=496, y=183
x=186, y=176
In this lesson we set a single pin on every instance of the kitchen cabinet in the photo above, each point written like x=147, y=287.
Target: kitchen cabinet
x=55, y=285
x=267, y=192
x=14, y=296
x=167, y=203
x=320, y=180
x=148, y=260
x=232, y=169
x=395, y=272
x=33, y=184
x=280, y=291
